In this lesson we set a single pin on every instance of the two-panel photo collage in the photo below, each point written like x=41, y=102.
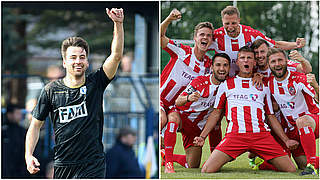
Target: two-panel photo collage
x=160, y=89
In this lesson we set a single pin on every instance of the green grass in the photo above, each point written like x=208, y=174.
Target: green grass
x=237, y=169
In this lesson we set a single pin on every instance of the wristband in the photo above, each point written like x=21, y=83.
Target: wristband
x=188, y=98
x=203, y=137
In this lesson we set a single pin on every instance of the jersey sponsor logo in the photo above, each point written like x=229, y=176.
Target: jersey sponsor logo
x=83, y=90
x=206, y=104
x=290, y=105
x=69, y=113
x=241, y=96
x=187, y=76
x=292, y=90
x=254, y=97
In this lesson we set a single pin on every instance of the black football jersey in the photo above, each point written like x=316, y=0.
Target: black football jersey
x=77, y=117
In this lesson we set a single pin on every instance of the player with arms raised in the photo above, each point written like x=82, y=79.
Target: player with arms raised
x=74, y=105
x=233, y=35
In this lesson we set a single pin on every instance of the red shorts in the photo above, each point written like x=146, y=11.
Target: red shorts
x=262, y=144
x=189, y=131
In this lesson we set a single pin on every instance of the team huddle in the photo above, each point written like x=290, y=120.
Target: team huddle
x=269, y=102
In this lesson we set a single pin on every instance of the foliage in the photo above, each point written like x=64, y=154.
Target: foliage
x=11, y=40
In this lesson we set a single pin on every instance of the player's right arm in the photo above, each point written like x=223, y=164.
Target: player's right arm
x=32, y=138
x=174, y=15
x=212, y=121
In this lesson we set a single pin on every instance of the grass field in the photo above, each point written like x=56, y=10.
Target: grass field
x=237, y=169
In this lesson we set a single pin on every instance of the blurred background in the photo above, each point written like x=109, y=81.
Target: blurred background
x=279, y=20
x=32, y=33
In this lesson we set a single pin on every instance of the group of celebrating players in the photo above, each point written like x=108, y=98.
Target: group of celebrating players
x=269, y=101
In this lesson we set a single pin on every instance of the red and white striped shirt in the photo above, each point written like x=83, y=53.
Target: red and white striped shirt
x=223, y=43
x=181, y=69
x=198, y=111
x=245, y=105
x=294, y=96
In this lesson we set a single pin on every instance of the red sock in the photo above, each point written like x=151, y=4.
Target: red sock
x=308, y=142
x=181, y=159
x=267, y=166
x=215, y=137
x=170, y=140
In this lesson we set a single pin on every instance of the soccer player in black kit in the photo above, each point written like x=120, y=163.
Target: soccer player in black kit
x=74, y=105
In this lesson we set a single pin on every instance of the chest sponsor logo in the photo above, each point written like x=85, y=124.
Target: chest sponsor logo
x=187, y=76
x=206, y=104
x=253, y=97
x=69, y=113
x=290, y=105
x=241, y=96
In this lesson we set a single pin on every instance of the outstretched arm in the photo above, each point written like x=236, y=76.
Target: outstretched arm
x=304, y=66
x=213, y=118
x=300, y=42
x=111, y=64
x=174, y=15
x=32, y=138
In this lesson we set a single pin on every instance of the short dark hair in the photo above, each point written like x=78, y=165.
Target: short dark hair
x=257, y=43
x=230, y=10
x=75, y=42
x=245, y=49
x=274, y=51
x=223, y=55
x=124, y=132
x=203, y=25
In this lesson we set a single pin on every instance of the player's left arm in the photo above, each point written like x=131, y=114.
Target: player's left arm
x=111, y=64
x=304, y=66
x=300, y=42
x=311, y=79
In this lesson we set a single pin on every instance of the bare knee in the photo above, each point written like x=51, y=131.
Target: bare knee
x=305, y=121
x=174, y=117
x=291, y=169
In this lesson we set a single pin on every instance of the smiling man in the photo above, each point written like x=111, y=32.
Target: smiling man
x=297, y=101
x=194, y=105
x=232, y=36
x=74, y=105
x=186, y=63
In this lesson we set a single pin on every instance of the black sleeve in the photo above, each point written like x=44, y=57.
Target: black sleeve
x=43, y=107
x=100, y=78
